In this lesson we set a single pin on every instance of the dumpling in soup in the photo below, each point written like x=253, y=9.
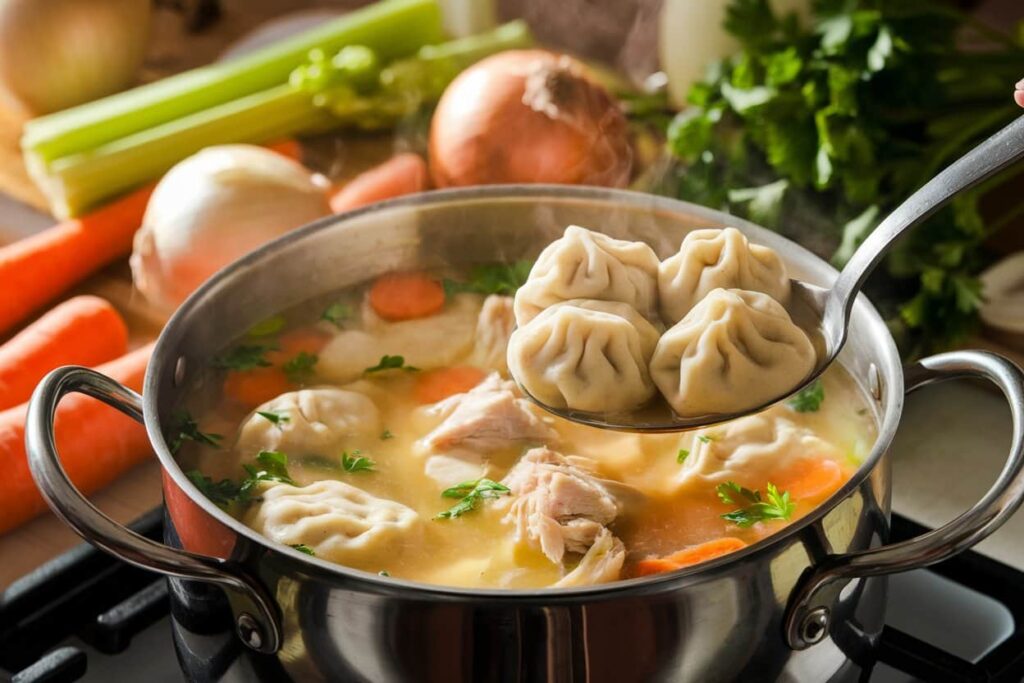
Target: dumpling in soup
x=339, y=522
x=583, y=264
x=585, y=355
x=717, y=259
x=313, y=421
x=733, y=351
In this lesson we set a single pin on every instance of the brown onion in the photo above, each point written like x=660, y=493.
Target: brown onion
x=528, y=116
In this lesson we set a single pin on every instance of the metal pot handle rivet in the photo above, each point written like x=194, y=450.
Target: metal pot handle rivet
x=255, y=607
x=820, y=585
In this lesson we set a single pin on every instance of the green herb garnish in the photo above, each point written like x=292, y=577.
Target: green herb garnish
x=221, y=492
x=356, y=462
x=187, y=429
x=703, y=438
x=273, y=417
x=386, y=434
x=808, y=399
x=682, y=456
x=383, y=572
x=497, y=278
x=470, y=493
x=303, y=548
x=299, y=369
x=775, y=504
x=244, y=357
x=337, y=313
x=267, y=327
x=273, y=468
x=391, y=363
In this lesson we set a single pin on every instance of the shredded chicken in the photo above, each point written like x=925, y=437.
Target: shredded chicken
x=559, y=503
x=601, y=564
x=493, y=329
x=488, y=417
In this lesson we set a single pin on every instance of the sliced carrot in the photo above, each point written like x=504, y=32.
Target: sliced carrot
x=85, y=330
x=689, y=556
x=291, y=344
x=258, y=385
x=400, y=175
x=811, y=479
x=436, y=385
x=96, y=443
x=404, y=296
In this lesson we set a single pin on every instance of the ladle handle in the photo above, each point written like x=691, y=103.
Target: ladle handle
x=985, y=160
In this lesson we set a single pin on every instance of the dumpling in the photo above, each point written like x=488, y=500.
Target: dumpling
x=717, y=259
x=751, y=451
x=585, y=355
x=310, y=421
x=733, y=351
x=583, y=264
x=340, y=522
x=426, y=343
x=493, y=329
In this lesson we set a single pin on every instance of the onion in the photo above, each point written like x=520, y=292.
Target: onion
x=58, y=53
x=528, y=116
x=214, y=207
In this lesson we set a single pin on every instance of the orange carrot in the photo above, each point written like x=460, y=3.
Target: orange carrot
x=96, y=443
x=295, y=342
x=36, y=269
x=258, y=385
x=400, y=175
x=404, y=296
x=812, y=478
x=686, y=557
x=436, y=385
x=85, y=330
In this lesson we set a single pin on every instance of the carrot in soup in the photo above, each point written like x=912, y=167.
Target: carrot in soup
x=404, y=296
x=85, y=330
x=689, y=556
x=96, y=443
x=436, y=385
x=291, y=344
x=401, y=175
x=811, y=479
x=252, y=387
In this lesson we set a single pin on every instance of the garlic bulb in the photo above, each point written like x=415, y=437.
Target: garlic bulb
x=214, y=207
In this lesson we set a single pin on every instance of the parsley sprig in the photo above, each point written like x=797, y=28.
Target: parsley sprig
x=244, y=357
x=773, y=505
x=496, y=278
x=299, y=369
x=276, y=418
x=221, y=492
x=273, y=467
x=187, y=429
x=337, y=313
x=470, y=494
x=390, y=363
x=355, y=462
x=808, y=399
x=303, y=548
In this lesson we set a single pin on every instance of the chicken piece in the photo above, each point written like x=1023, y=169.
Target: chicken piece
x=493, y=329
x=488, y=417
x=601, y=564
x=559, y=503
x=450, y=469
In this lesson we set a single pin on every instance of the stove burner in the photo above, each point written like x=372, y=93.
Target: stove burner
x=962, y=620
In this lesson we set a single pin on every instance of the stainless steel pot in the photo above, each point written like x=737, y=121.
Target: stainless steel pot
x=804, y=604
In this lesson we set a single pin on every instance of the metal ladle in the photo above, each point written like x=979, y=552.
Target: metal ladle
x=824, y=313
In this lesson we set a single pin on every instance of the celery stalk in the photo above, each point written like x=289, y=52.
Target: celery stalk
x=392, y=28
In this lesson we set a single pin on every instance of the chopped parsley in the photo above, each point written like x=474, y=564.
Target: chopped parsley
x=220, y=492
x=268, y=327
x=774, y=504
x=391, y=363
x=187, y=429
x=383, y=572
x=244, y=357
x=495, y=278
x=356, y=462
x=682, y=456
x=299, y=369
x=470, y=494
x=703, y=438
x=386, y=434
x=303, y=548
x=273, y=417
x=274, y=468
x=337, y=313
x=808, y=399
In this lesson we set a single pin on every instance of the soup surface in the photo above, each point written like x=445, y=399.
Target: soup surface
x=379, y=429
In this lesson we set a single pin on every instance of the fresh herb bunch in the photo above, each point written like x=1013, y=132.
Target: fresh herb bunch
x=820, y=130
x=774, y=504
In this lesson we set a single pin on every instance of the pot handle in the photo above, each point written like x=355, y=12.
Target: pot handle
x=807, y=617
x=256, y=615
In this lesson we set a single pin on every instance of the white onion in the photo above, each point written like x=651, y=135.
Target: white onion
x=214, y=207
x=55, y=54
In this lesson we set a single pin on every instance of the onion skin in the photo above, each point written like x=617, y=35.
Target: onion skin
x=55, y=54
x=528, y=116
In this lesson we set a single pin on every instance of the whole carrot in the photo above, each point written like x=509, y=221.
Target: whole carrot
x=85, y=330
x=96, y=443
x=402, y=174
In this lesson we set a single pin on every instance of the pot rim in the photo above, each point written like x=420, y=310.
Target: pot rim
x=891, y=408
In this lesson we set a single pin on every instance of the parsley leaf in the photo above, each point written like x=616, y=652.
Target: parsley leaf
x=337, y=313
x=274, y=468
x=187, y=429
x=391, y=363
x=774, y=505
x=704, y=438
x=808, y=399
x=273, y=417
x=356, y=462
x=386, y=434
x=244, y=357
x=221, y=492
x=267, y=327
x=300, y=368
x=682, y=456
x=303, y=548
x=470, y=494
x=496, y=278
